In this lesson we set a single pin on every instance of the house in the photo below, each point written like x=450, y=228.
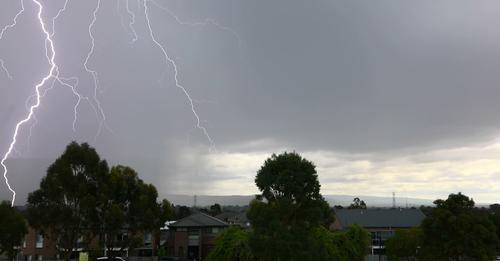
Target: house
x=38, y=247
x=193, y=236
x=381, y=223
x=235, y=218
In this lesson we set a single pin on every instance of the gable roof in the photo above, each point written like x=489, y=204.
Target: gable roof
x=235, y=218
x=394, y=218
x=199, y=220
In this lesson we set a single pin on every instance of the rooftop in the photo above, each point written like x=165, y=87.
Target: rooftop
x=395, y=218
x=199, y=220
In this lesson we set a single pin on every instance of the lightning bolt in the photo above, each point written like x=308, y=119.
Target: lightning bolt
x=14, y=21
x=53, y=78
x=53, y=73
x=208, y=21
x=2, y=64
x=132, y=21
x=57, y=16
x=94, y=74
x=171, y=62
x=62, y=81
x=4, y=29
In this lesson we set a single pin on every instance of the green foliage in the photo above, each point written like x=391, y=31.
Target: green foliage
x=284, y=224
x=81, y=197
x=404, y=245
x=12, y=230
x=215, y=209
x=350, y=245
x=357, y=204
x=63, y=206
x=495, y=219
x=127, y=202
x=167, y=212
x=232, y=244
x=455, y=231
x=290, y=186
x=182, y=212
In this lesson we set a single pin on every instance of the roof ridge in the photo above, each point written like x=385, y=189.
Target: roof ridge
x=214, y=218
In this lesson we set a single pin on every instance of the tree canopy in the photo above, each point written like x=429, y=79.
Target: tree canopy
x=456, y=231
x=231, y=245
x=63, y=206
x=357, y=204
x=290, y=218
x=12, y=230
x=404, y=245
x=80, y=197
x=128, y=202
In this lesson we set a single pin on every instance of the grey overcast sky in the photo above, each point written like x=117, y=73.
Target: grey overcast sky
x=383, y=96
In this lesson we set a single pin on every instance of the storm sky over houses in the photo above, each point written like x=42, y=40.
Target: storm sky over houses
x=383, y=96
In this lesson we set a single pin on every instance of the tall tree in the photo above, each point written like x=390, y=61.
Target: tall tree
x=12, y=230
x=63, y=205
x=283, y=224
x=456, y=231
x=215, y=209
x=357, y=204
x=129, y=207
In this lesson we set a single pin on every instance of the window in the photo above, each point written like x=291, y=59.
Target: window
x=148, y=238
x=38, y=257
x=39, y=240
x=193, y=237
x=122, y=237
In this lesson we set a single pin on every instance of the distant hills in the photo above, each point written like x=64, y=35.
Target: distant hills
x=343, y=200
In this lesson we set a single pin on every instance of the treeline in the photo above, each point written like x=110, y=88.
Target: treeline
x=453, y=230
x=81, y=199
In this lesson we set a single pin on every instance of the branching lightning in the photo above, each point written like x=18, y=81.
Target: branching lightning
x=207, y=22
x=4, y=29
x=53, y=72
x=169, y=60
x=53, y=78
x=93, y=73
x=14, y=21
x=57, y=16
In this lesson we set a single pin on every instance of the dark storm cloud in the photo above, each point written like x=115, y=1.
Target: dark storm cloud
x=356, y=77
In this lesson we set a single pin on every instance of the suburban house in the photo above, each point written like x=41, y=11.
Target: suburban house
x=193, y=236
x=235, y=218
x=381, y=223
x=38, y=247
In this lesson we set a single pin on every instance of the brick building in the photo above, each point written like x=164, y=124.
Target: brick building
x=381, y=223
x=193, y=236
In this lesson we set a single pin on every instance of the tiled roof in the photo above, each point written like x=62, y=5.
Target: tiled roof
x=199, y=220
x=394, y=218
